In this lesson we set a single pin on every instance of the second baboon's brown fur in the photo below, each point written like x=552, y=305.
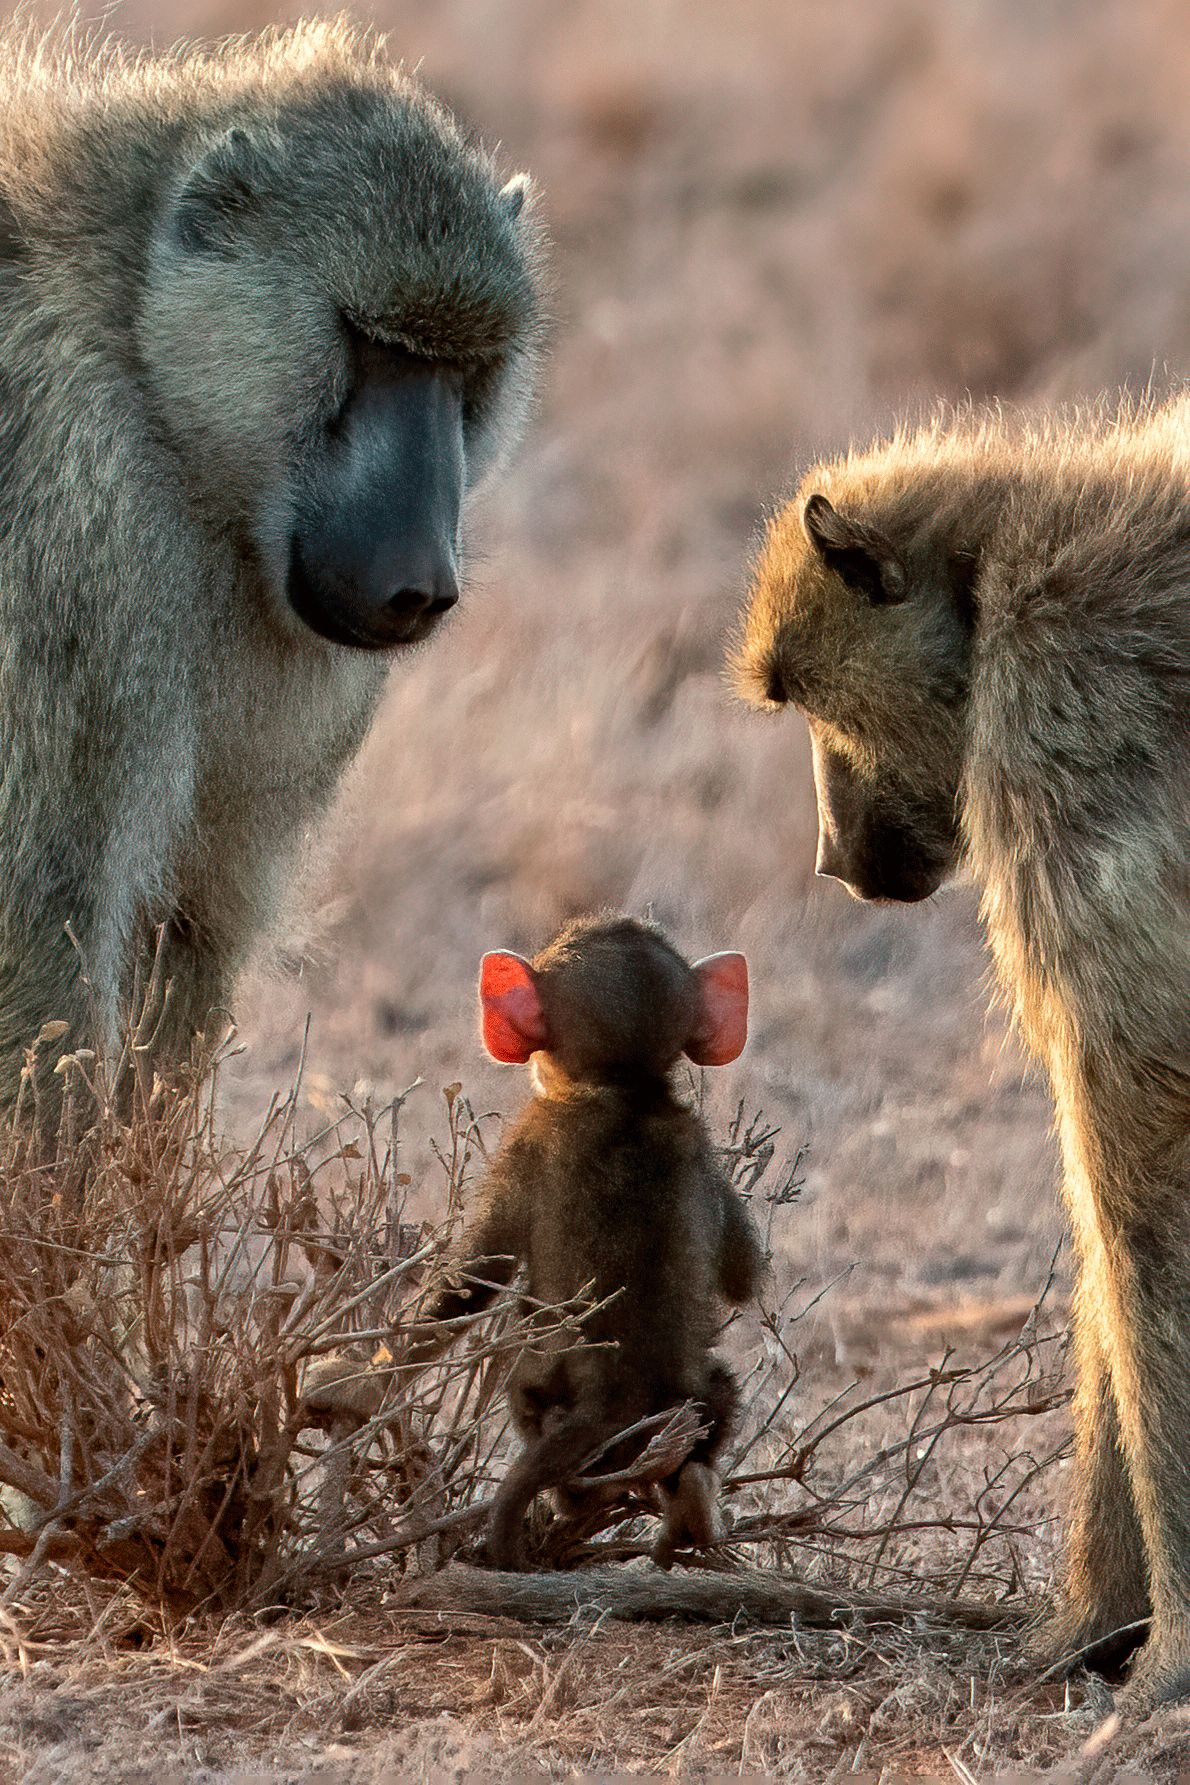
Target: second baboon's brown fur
x=987, y=625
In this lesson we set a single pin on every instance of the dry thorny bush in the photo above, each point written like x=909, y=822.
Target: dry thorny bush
x=205, y=1389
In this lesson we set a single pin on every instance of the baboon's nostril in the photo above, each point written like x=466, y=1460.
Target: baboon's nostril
x=427, y=602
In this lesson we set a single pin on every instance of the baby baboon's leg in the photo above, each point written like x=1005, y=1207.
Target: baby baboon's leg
x=1106, y=1587
x=566, y=1441
x=690, y=1499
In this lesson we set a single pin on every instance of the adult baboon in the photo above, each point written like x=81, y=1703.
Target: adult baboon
x=265, y=314
x=987, y=626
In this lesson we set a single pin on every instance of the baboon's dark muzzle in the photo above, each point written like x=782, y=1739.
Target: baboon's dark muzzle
x=881, y=863
x=373, y=559
x=879, y=842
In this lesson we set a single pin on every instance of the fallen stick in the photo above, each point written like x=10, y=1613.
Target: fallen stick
x=758, y=1596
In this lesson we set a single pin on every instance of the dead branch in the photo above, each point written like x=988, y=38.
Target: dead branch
x=702, y=1596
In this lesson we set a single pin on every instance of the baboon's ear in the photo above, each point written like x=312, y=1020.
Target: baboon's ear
x=513, y=1021
x=514, y=194
x=220, y=189
x=722, y=1026
x=856, y=552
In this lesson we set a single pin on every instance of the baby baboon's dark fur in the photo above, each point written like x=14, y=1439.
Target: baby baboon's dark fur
x=200, y=255
x=607, y=1183
x=988, y=629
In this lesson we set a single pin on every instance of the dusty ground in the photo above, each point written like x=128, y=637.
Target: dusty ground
x=778, y=224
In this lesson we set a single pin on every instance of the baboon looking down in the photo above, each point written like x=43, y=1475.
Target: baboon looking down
x=265, y=315
x=608, y=1184
x=987, y=627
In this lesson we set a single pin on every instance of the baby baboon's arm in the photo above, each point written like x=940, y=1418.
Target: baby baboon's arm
x=486, y=1259
x=742, y=1256
x=493, y=1244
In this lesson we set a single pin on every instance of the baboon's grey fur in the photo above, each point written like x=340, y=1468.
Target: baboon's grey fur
x=168, y=727
x=987, y=625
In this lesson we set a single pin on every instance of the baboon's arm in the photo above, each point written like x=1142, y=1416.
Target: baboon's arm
x=742, y=1258
x=485, y=1260
x=493, y=1244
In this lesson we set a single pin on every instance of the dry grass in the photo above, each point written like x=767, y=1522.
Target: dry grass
x=234, y=1491
x=207, y=1391
x=187, y=1386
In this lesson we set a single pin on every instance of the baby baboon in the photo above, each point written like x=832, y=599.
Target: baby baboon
x=987, y=626
x=608, y=1183
x=265, y=315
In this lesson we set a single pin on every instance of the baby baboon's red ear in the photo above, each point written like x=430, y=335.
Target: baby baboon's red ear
x=722, y=1027
x=513, y=1020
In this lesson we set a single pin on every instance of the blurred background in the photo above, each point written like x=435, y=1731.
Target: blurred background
x=779, y=224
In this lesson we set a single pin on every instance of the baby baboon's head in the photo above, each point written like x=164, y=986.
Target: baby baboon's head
x=861, y=615
x=610, y=998
x=338, y=323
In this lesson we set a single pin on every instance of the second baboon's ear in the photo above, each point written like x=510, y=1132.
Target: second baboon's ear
x=514, y=1024
x=855, y=551
x=514, y=194
x=722, y=1025
x=220, y=190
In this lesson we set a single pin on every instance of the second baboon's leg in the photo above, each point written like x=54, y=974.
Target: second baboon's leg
x=1130, y=1154
x=1147, y=1297
x=1105, y=1591
x=690, y=1499
x=567, y=1440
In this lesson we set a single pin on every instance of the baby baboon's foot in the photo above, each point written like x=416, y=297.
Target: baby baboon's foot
x=1074, y=1635
x=692, y=1519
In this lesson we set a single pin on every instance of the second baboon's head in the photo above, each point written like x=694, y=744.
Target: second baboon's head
x=861, y=615
x=338, y=320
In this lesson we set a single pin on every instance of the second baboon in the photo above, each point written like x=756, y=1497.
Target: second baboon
x=987, y=626
x=607, y=1185
x=265, y=316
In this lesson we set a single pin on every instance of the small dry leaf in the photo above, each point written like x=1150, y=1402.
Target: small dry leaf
x=51, y=1032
